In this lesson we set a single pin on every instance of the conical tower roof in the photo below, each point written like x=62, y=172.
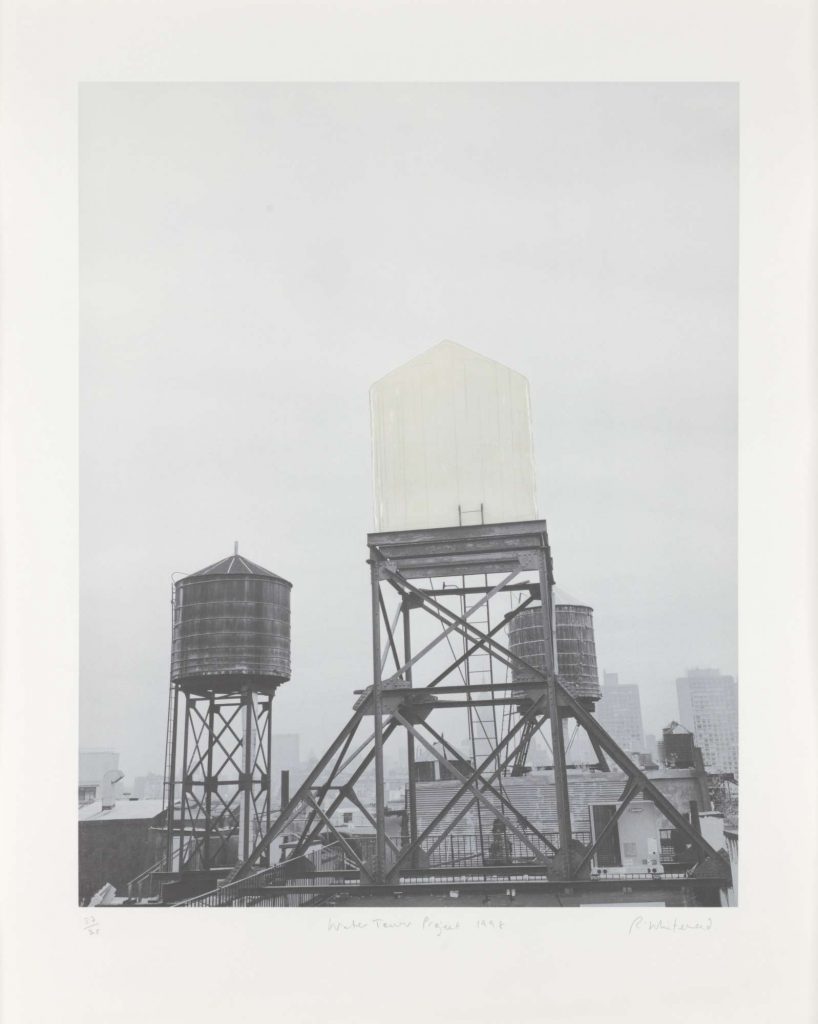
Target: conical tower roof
x=237, y=565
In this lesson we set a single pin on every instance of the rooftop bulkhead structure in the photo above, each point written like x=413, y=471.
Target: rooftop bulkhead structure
x=463, y=621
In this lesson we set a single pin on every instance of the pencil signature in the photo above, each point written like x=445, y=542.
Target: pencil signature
x=640, y=924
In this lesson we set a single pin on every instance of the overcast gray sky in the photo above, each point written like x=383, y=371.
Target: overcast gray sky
x=253, y=257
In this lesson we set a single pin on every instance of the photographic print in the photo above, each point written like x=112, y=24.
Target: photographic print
x=408, y=495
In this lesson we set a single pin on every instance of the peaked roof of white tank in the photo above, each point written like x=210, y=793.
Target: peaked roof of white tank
x=237, y=565
x=451, y=435
x=443, y=350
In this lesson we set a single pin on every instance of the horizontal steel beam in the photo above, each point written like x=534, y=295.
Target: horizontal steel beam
x=529, y=530
x=497, y=702
x=535, y=687
x=654, y=884
x=534, y=588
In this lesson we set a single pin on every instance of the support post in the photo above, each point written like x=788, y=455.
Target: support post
x=557, y=737
x=268, y=817
x=170, y=793
x=183, y=801
x=245, y=789
x=211, y=718
x=410, y=740
x=377, y=704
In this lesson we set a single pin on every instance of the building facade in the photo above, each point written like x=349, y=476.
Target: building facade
x=117, y=843
x=94, y=763
x=619, y=712
x=708, y=706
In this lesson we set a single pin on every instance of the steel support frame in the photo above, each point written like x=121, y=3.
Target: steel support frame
x=316, y=788
x=561, y=703
x=316, y=781
x=487, y=784
x=452, y=622
x=474, y=789
x=222, y=786
x=568, y=706
x=486, y=781
x=550, y=700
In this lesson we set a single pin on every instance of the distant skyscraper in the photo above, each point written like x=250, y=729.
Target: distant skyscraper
x=148, y=787
x=708, y=706
x=620, y=713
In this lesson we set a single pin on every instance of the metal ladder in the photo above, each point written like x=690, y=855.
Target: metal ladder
x=167, y=796
x=478, y=669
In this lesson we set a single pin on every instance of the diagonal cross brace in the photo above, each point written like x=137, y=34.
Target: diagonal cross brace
x=476, y=775
x=351, y=795
x=390, y=632
x=389, y=728
x=288, y=812
x=480, y=643
x=470, y=803
x=457, y=623
x=592, y=727
x=454, y=625
x=345, y=845
x=504, y=800
x=481, y=797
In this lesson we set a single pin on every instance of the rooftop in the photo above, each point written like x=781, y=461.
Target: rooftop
x=123, y=810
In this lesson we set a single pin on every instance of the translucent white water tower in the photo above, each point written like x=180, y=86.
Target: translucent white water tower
x=452, y=443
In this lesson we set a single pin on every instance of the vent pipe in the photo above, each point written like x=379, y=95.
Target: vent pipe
x=109, y=780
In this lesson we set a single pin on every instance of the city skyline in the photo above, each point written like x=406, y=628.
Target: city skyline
x=292, y=741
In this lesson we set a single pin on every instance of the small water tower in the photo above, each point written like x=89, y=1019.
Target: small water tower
x=575, y=648
x=230, y=652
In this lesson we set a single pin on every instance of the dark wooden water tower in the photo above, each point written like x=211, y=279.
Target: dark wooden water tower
x=230, y=652
x=573, y=641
